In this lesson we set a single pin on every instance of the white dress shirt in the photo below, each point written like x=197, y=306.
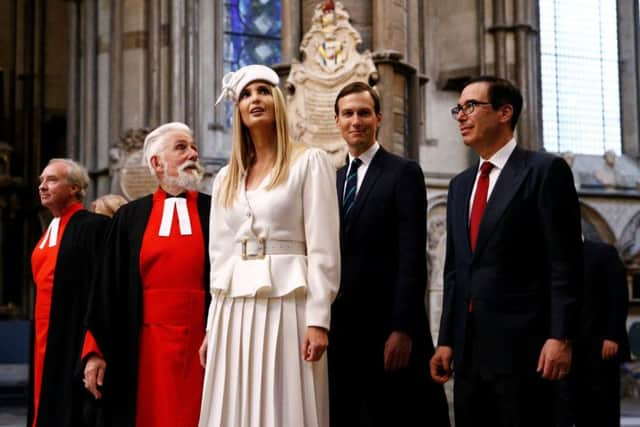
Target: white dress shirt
x=499, y=159
x=366, y=158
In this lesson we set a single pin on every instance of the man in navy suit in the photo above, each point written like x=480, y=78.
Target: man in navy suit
x=602, y=343
x=380, y=342
x=512, y=271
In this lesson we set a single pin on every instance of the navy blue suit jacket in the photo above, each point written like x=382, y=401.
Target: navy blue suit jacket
x=526, y=270
x=384, y=271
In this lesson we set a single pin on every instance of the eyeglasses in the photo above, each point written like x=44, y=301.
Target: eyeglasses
x=467, y=108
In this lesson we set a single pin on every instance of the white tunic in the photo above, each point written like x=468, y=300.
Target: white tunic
x=255, y=375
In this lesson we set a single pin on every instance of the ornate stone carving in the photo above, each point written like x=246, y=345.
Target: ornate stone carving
x=133, y=139
x=605, y=173
x=133, y=175
x=630, y=239
x=436, y=250
x=330, y=61
x=616, y=212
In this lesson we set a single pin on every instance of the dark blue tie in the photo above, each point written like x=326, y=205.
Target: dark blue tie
x=349, y=198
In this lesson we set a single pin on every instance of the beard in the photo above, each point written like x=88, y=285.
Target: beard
x=187, y=179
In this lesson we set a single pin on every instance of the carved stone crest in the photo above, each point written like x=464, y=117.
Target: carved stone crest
x=330, y=61
x=135, y=178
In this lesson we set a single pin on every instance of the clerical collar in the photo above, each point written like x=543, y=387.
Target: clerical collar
x=182, y=195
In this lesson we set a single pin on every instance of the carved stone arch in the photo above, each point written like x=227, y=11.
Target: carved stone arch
x=594, y=226
x=629, y=247
x=630, y=241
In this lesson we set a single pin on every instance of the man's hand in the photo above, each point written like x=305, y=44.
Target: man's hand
x=316, y=341
x=94, y=374
x=397, y=351
x=440, y=364
x=202, y=352
x=609, y=349
x=555, y=359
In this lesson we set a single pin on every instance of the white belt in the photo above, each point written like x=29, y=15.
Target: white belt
x=258, y=248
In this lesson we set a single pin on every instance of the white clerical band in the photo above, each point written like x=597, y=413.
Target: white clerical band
x=180, y=204
x=52, y=233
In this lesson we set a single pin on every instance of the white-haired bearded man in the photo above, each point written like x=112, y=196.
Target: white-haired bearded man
x=148, y=315
x=63, y=267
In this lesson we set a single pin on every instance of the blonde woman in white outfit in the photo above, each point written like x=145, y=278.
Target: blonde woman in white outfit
x=275, y=269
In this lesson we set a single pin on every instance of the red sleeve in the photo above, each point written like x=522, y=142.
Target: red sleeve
x=90, y=346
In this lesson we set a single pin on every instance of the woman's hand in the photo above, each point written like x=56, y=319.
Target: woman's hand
x=316, y=341
x=202, y=352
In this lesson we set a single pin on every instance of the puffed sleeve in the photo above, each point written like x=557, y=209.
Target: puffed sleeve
x=322, y=233
x=221, y=239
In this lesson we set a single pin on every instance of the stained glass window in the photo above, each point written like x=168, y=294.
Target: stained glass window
x=580, y=81
x=252, y=32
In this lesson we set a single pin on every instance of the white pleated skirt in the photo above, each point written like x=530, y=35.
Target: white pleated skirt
x=255, y=375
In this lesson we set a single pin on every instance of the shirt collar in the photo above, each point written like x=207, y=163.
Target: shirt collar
x=499, y=159
x=160, y=195
x=367, y=156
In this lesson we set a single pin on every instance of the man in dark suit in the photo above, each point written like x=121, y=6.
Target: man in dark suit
x=512, y=269
x=602, y=343
x=380, y=342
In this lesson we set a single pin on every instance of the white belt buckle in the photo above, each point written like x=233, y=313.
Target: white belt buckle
x=254, y=255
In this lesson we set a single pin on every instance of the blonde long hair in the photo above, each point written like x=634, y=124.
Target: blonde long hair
x=243, y=152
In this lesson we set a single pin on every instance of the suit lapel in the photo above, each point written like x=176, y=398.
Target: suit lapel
x=373, y=172
x=509, y=181
x=341, y=176
x=461, y=207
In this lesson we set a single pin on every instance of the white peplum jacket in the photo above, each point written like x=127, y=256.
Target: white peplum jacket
x=302, y=209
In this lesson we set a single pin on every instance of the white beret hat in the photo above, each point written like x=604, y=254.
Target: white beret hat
x=234, y=81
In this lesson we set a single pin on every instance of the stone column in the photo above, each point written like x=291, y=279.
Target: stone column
x=178, y=60
x=527, y=71
x=116, y=70
x=209, y=133
x=499, y=29
x=135, y=40
x=154, y=82
x=629, y=44
x=87, y=91
x=103, y=88
x=134, y=64
x=394, y=25
x=291, y=30
x=74, y=77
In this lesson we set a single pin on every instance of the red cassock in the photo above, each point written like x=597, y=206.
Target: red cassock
x=169, y=373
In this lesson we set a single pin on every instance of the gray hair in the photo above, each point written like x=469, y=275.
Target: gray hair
x=155, y=142
x=76, y=175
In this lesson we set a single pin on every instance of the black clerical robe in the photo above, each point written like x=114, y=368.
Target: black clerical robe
x=63, y=402
x=115, y=317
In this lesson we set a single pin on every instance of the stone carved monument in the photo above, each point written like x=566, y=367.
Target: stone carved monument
x=436, y=251
x=330, y=61
x=135, y=178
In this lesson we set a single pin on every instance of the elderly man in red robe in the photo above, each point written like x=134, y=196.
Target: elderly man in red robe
x=63, y=270
x=148, y=314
